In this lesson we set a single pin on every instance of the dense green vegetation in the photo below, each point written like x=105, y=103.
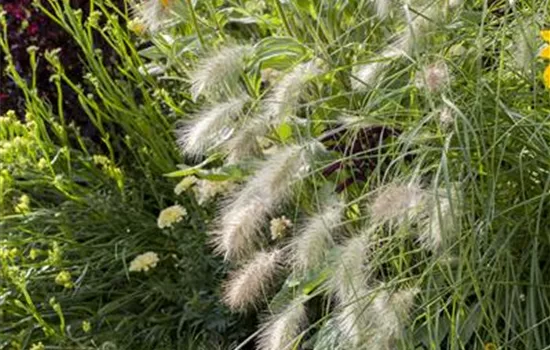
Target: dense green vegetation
x=281, y=175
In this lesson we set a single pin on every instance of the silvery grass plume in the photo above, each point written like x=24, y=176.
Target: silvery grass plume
x=391, y=314
x=280, y=103
x=436, y=230
x=376, y=320
x=282, y=330
x=240, y=221
x=219, y=72
x=283, y=100
x=252, y=281
x=382, y=8
x=433, y=77
x=351, y=269
x=396, y=203
x=244, y=143
x=350, y=285
x=367, y=75
x=210, y=127
x=315, y=238
x=154, y=14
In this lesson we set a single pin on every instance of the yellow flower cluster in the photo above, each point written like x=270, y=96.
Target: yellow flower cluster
x=23, y=206
x=279, y=227
x=545, y=54
x=109, y=169
x=144, y=262
x=170, y=216
x=64, y=279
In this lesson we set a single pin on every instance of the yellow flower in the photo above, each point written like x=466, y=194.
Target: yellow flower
x=545, y=35
x=37, y=346
x=42, y=163
x=545, y=52
x=144, y=262
x=165, y=3
x=86, y=326
x=490, y=346
x=136, y=27
x=170, y=216
x=33, y=254
x=184, y=184
x=23, y=206
x=546, y=77
x=64, y=279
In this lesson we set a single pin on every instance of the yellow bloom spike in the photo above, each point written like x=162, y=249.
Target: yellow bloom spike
x=545, y=52
x=546, y=77
x=545, y=35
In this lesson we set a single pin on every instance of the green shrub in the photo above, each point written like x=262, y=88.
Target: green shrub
x=75, y=213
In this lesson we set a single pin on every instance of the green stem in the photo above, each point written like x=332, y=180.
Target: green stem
x=195, y=23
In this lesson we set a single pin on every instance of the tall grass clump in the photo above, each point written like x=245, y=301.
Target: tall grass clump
x=421, y=221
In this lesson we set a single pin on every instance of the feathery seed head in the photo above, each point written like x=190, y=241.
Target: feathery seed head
x=376, y=319
x=315, y=238
x=153, y=14
x=438, y=226
x=280, y=103
x=244, y=144
x=392, y=312
x=398, y=202
x=354, y=318
x=239, y=228
x=446, y=118
x=282, y=330
x=247, y=285
x=434, y=77
x=211, y=127
x=241, y=219
x=351, y=270
x=219, y=72
x=382, y=8
x=285, y=96
x=368, y=74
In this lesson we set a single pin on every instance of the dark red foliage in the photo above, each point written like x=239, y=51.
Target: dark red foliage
x=359, y=153
x=28, y=26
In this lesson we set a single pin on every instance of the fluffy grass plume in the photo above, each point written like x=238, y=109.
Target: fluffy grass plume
x=436, y=229
x=153, y=14
x=219, y=71
x=210, y=127
x=375, y=319
x=315, y=237
x=281, y=102
x=246, y=286
x=242, y=216
x=382, y=8
x=351, y=269
x=367, y=75
x=397, y=203
x=281, y=331
x=285, y=96
x=390, y=314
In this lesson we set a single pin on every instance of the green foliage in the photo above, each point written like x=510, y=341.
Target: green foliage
x=451, y=116
x=77, y=205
